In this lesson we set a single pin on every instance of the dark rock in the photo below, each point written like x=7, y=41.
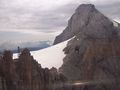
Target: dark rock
x=25, y=73
x=93, y=55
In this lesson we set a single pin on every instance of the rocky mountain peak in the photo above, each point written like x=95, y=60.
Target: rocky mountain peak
x=87, y=7
x=93, y=53
x=87, y=20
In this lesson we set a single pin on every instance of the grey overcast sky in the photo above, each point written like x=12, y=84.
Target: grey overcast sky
x=41, y=20
x=47, y=15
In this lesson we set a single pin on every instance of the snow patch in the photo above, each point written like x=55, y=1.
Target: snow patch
x=115, y=24
x=51, y=56
x=78, y=39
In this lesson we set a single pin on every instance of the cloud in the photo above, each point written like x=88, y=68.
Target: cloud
x=47, y=15
x=40, y=20
x=104, y=2
x=29, y=14
x=110, y=8
x=34, y=14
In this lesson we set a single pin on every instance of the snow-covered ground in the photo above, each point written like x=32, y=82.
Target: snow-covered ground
x=115, y=23
x=51, y=56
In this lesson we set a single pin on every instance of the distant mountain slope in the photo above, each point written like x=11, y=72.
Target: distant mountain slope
x=32, y=46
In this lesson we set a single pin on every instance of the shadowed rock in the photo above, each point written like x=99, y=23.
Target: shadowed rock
x=25, y=73
x=93, y=55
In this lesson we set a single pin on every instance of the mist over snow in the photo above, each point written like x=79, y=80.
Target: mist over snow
x=48, y=15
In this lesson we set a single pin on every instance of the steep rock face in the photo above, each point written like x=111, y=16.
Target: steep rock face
x=24, y=69
x=8, y=75
x=25, y=73
x=33, y=76
x=87, y=19
x=8, y=66
x=93, y=56
x=89, y=51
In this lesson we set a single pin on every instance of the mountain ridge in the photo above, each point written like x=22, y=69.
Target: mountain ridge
x=86, y=19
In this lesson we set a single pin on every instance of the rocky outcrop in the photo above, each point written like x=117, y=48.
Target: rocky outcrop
x=8, y=74
x=93, y=55
x=25, y=73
